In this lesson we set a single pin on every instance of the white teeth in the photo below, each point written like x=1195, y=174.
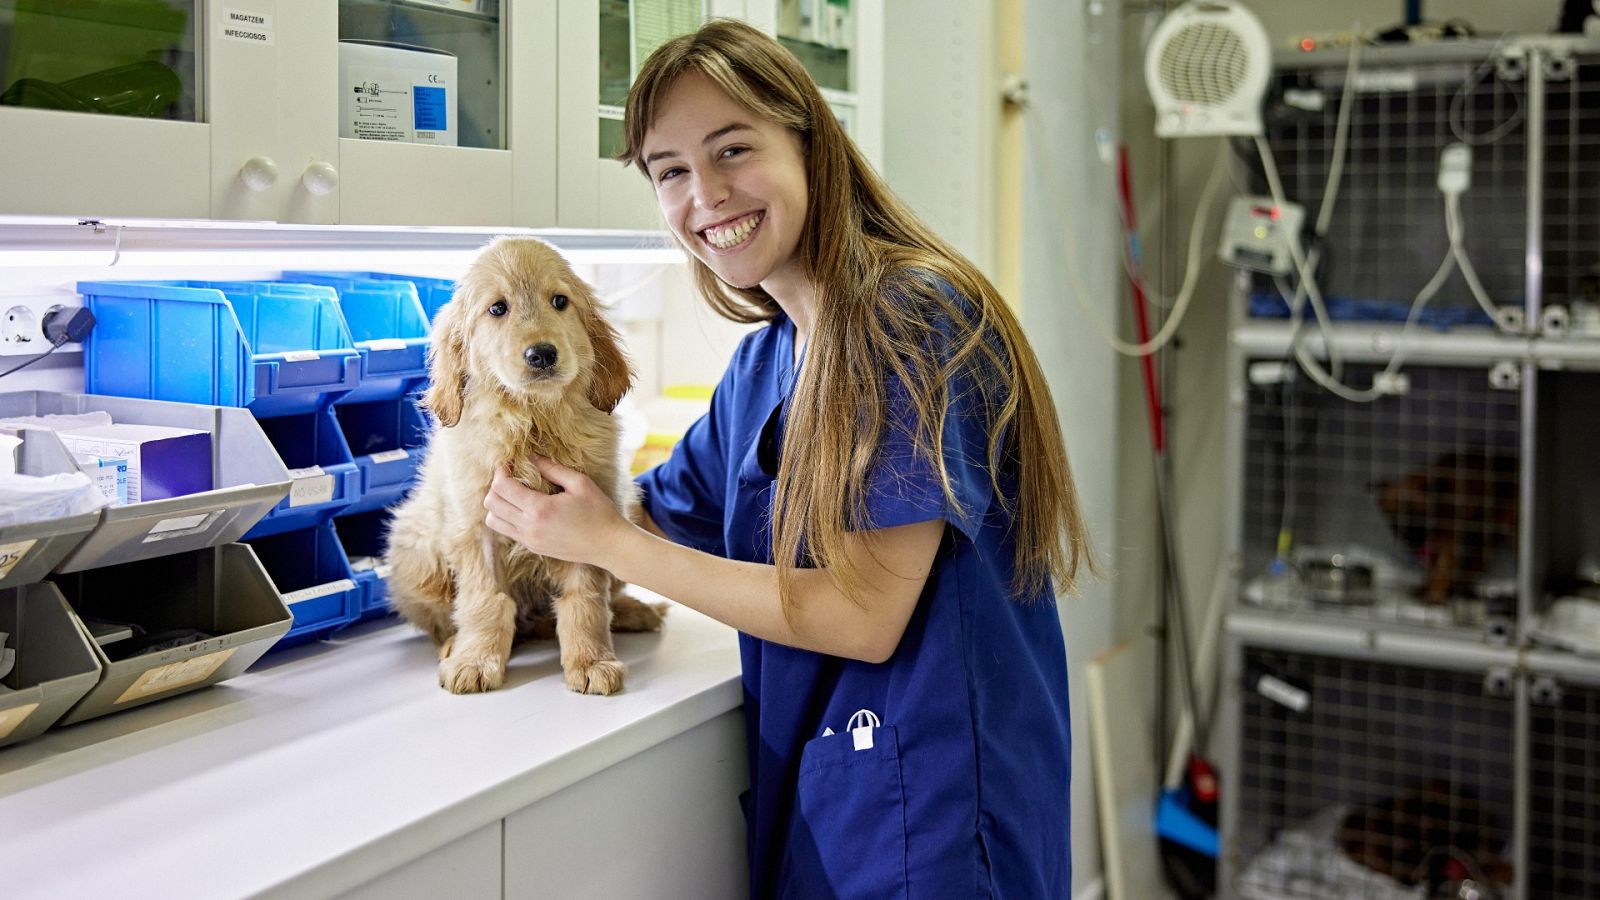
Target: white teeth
x=723, y=237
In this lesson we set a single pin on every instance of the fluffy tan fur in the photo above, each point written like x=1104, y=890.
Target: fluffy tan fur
x=472, y=590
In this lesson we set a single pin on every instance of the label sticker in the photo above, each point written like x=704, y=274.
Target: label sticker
x=11, y=718
x=1377, y=81
x=310, y=486
x=389, y=456
x=386, y=344
x=301, y=356
x=175, y=675
x=383, y=570
x=181, y=526
x=318, y=590
x=246, y=27
x=11, y=554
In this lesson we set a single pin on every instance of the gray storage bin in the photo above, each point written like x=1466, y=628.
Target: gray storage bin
x=29, y=551
x=55, y=665
x=221, y=591
x=248, y=476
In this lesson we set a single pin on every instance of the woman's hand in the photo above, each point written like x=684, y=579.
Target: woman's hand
x=578, y=523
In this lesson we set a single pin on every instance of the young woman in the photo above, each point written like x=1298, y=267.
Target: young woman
x=879, y=501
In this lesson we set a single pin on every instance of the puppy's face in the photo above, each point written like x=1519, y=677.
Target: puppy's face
x=521, y=323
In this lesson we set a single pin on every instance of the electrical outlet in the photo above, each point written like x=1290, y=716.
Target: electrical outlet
x=22, y=323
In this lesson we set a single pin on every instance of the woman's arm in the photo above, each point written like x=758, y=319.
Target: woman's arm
x=581, y=524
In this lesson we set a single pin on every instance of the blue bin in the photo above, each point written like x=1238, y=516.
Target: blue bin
x=324, y=478
x=273, y=349
x=431, y=292
x=386, y=438
x=388, y=326
x=363, y=537
x=313, y=578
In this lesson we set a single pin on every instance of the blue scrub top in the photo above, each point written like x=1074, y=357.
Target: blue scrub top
x=942, y=772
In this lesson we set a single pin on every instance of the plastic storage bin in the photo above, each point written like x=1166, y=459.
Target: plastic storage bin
x=389, y=328
x=248, y=476
x=55, y=663
x=274, y=349
x=312, y=578
x=222, y=592
x=431, y=292
x=386, y=438
x=28, y=551
x=363, y=537
x=324, y=477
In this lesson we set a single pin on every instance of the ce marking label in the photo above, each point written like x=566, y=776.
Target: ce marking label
x=434, y=78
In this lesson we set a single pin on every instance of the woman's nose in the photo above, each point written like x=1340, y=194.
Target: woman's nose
x=709, y=191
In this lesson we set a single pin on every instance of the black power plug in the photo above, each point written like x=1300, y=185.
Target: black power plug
x=67, y=325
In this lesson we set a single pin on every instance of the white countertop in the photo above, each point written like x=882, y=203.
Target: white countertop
x=327, y=765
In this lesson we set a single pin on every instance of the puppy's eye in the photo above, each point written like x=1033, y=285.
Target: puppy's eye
x=498, y=308
x=559, y=301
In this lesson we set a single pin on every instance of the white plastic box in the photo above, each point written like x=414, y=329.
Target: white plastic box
x=397, y=92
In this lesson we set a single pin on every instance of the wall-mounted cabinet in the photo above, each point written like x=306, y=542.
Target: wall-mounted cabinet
x=370, y=112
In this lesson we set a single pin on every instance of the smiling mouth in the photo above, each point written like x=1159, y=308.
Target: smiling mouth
x=735, y=234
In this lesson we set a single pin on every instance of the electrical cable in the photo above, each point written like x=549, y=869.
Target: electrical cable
x=1459, y=128
x=18, y=368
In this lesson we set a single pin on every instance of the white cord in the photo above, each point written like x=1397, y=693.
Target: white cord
x=1459, y=129
x=1191, y=275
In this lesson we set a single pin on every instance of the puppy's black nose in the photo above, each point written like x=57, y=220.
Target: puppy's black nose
x=540, y=356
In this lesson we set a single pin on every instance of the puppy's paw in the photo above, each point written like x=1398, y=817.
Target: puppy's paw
x=444, y=648
x=466, y=674
x=631, y=614
x=600, y=676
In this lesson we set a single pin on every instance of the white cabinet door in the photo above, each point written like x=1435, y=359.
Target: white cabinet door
x=101, y=110
x=465, y=869
x=271, y=73
x=664, y=824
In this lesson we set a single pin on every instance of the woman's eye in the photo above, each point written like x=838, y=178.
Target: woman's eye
x=731, y=152
x=559, y=301
x=668, y=174
x=498, y=308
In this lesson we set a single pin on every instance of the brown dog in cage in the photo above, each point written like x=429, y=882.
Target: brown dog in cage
x=1453, y=513
x=523, y=364
x=1430, y=833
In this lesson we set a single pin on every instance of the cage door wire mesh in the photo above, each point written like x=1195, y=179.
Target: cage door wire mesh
x=1572, y=185
x=1564, y=791
x=1402, y=510
x=1384, y=781
x=1387, y=233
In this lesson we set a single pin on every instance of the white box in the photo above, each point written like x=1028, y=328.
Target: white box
x=396, y=92
x=161, y=461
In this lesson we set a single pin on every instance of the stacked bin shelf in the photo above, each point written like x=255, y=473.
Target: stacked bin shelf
x=331, y=366
x=130, y=604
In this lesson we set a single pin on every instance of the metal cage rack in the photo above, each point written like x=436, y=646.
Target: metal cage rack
x=1399, y=564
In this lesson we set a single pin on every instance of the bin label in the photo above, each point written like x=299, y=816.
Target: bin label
x=11, y=718
x=389, y=456
x=386, y=344
x=318, y=590
x=301, y=356
x=181, y=526
x=310, y=485
x=11, y=554
x=171, y=676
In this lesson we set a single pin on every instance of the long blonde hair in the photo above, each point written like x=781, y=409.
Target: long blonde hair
x=876, y=270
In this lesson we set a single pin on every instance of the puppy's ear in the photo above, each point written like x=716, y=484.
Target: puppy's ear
x=447, y=362
x=612, y=376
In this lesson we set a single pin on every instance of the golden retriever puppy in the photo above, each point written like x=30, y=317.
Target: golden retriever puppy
x=523, y=364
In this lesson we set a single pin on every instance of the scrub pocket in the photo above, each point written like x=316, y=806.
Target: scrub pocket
x=848, y=837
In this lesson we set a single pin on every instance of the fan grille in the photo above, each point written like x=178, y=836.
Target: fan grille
x=1204, y=63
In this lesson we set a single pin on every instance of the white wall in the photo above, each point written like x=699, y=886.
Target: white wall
x=1071, y=60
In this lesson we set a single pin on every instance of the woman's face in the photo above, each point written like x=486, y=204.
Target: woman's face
x=731, y=184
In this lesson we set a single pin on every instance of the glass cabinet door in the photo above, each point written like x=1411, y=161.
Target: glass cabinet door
x=426, y=122
x=100, y=102
x=111, y=57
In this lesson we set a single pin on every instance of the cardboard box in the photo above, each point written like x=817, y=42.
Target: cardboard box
x=396, y=92
x=161, y=461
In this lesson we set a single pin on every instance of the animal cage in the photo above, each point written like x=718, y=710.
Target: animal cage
x=1563, y=788
x=1369, y=779
x=1387, y=234
x=1400, y=511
